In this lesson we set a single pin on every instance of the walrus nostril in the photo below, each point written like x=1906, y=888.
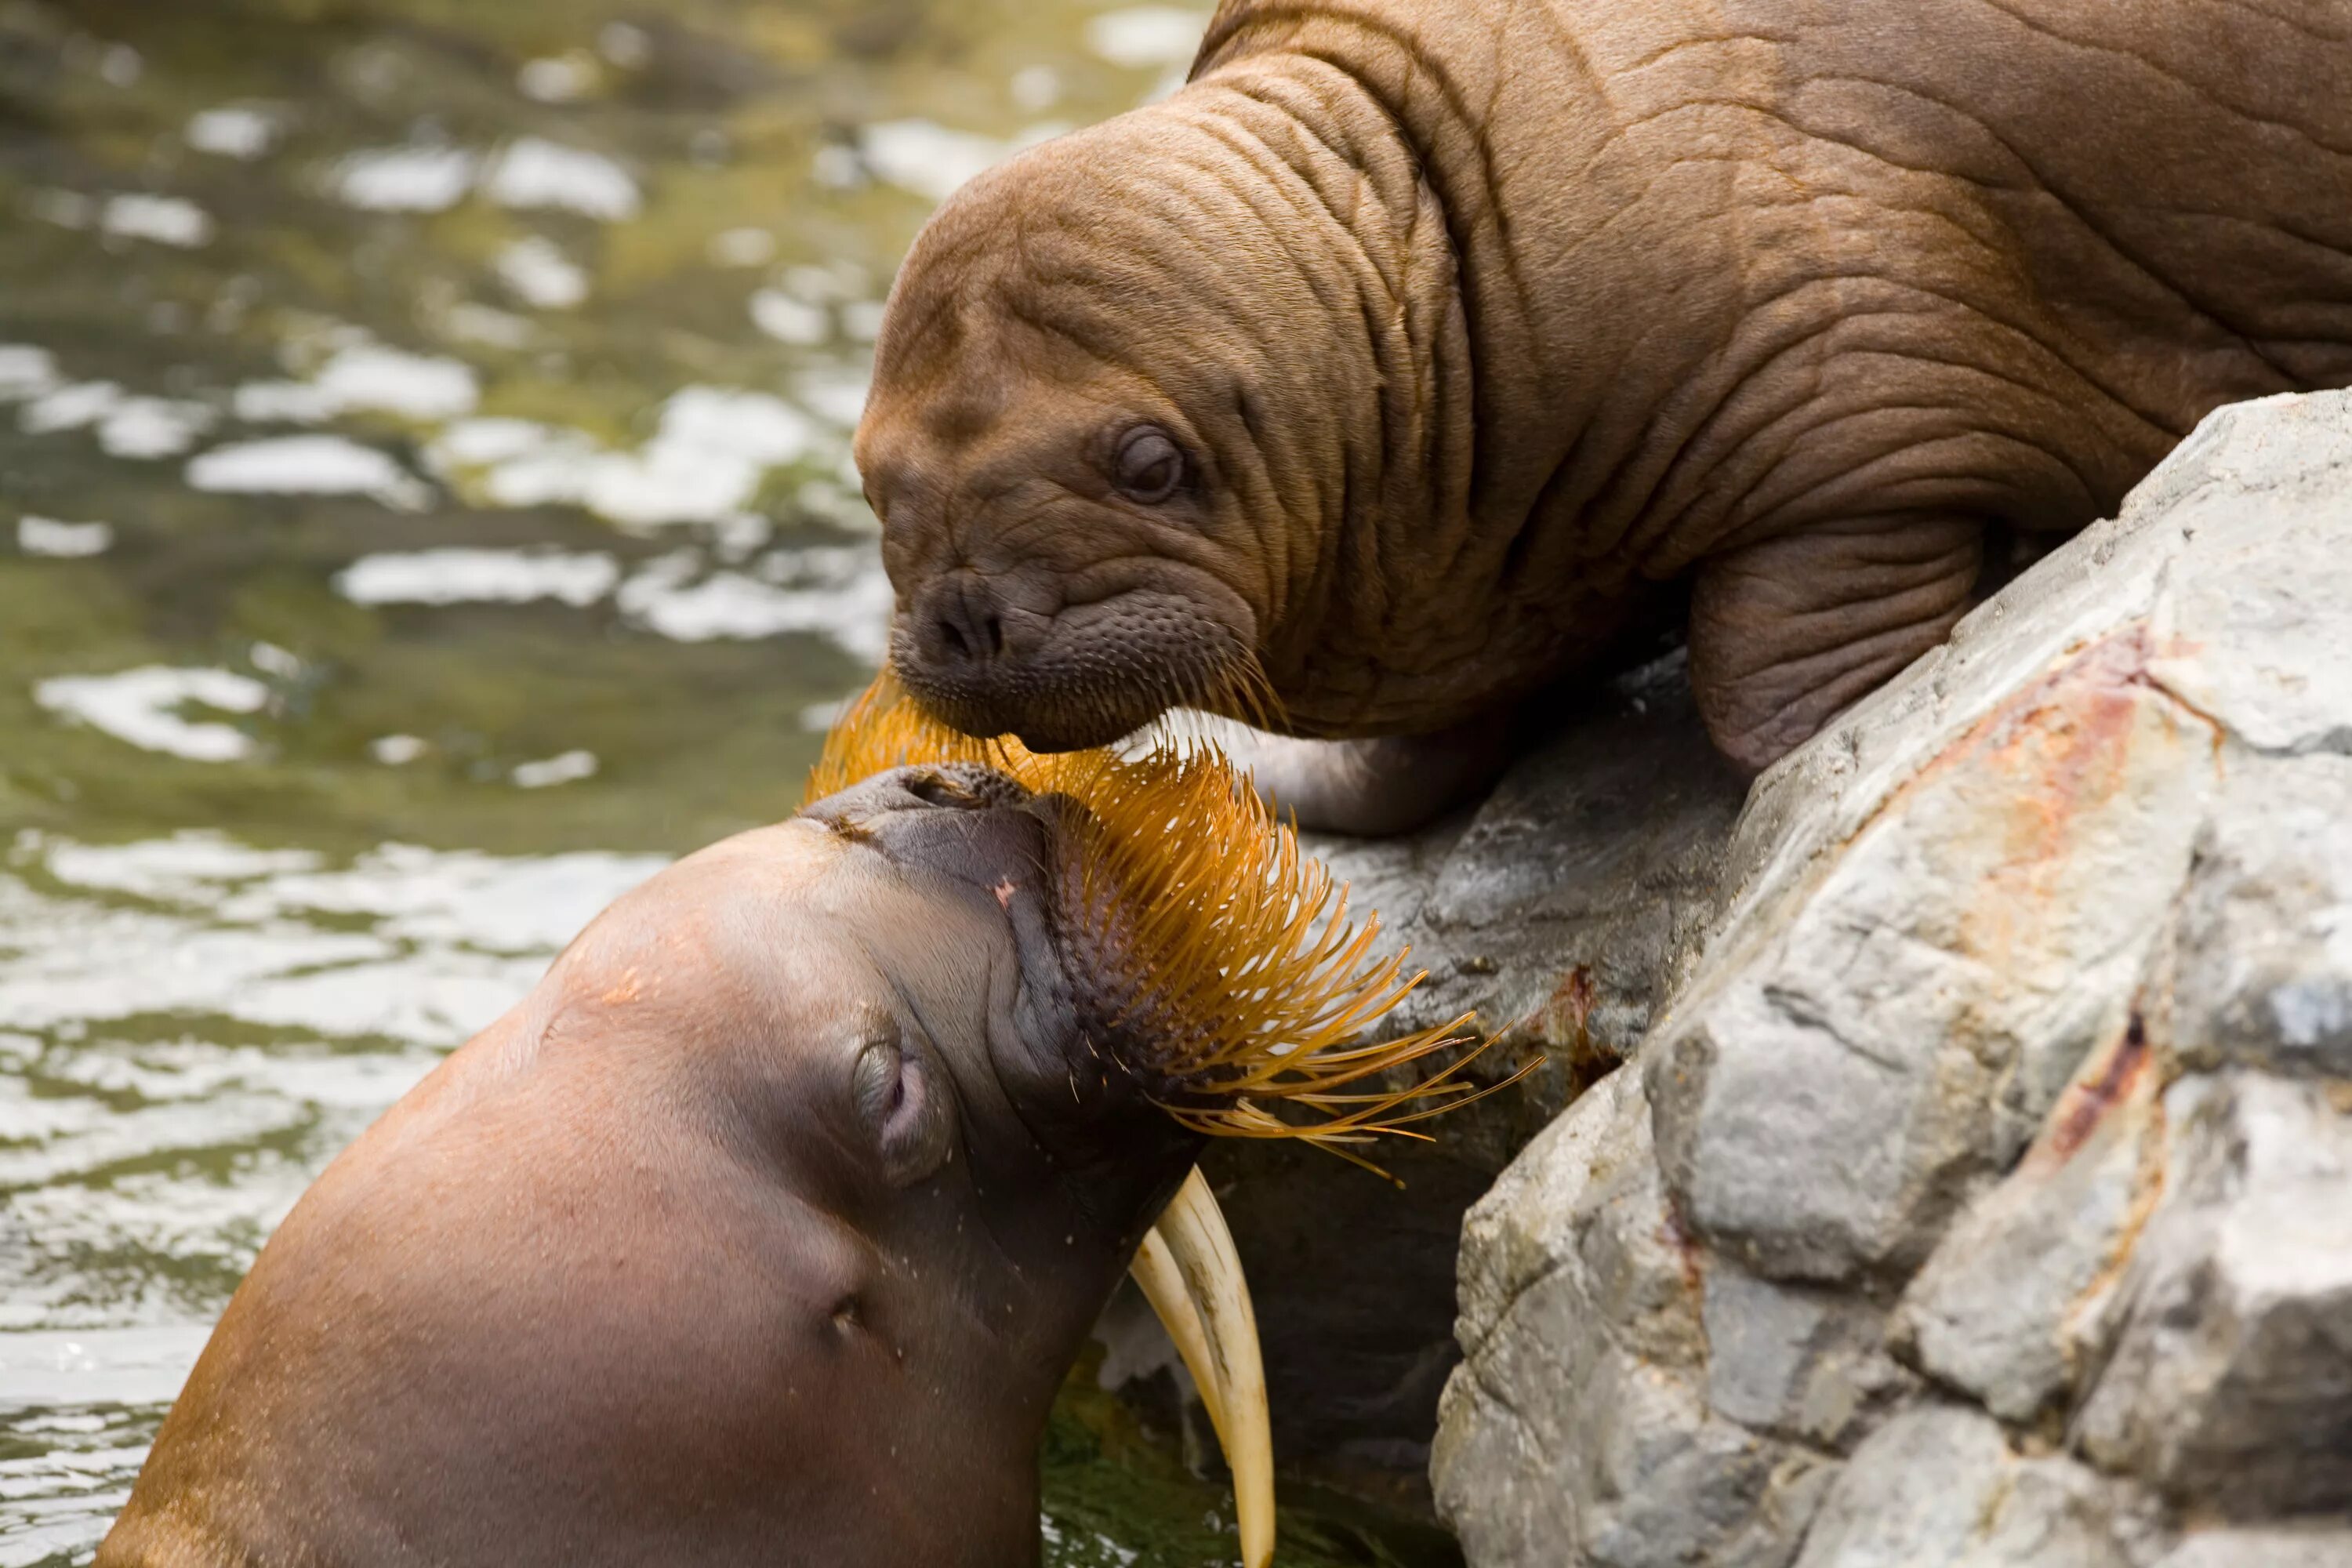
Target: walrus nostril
x=967, y=626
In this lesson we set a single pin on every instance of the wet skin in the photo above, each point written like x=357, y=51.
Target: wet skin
x=762, y=1231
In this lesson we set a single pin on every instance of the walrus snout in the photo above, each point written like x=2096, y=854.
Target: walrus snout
x=1084, y=677
x=960, y=622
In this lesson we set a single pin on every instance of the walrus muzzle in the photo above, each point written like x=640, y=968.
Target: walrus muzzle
x=988, y=659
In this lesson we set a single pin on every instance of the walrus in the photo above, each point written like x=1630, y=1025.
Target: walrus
x=1414, y=361
x=764, y=1229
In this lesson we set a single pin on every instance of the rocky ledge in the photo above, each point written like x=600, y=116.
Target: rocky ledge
x=1561, y=909
x=1983, y=1194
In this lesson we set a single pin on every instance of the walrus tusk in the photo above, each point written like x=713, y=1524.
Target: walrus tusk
x=1193, y=1277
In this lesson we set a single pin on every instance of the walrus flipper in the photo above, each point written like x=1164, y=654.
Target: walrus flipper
x=1787, y=632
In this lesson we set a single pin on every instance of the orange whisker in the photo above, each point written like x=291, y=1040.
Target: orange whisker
x=1242, y=975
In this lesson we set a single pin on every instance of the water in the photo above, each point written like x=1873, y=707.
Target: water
x=424, y=508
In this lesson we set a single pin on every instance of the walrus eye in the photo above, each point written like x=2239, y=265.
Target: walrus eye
x=1151, y=466
x=896, y=1101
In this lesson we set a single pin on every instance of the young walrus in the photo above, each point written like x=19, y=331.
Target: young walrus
x=1416, y=357
x=763, y=1230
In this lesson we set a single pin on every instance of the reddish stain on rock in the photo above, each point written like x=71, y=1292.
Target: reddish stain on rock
x=2088, y=1099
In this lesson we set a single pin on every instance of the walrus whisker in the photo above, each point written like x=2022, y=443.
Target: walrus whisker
x=1234, y=976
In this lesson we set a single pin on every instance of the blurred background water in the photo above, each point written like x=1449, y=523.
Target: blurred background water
x=424, y=508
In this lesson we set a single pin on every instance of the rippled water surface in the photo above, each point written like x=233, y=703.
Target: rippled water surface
x=424, y=508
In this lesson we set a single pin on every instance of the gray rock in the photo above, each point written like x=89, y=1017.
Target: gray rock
x=1847, y=1072
x=1996, y=1207
x=2311, y=1546
x=2230, y=1384
x=2002, y=1307
x=2265, y=940
x=1797, y=1361
x=1584, y=1388
x=2250, y=628
x=1939, y=1486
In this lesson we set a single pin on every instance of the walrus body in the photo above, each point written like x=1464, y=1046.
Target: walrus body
x=762, y=1232
x=1414, y=357
x=765, y=1228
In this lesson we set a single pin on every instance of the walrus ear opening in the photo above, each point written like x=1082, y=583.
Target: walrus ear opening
x=902, y=1108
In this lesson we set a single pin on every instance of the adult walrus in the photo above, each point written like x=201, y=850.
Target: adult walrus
x=1413, y=357
x=764, y=1229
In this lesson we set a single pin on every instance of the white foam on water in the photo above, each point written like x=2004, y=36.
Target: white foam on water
x=471, y=320
x=790, y=321
x=422, y=387
x=704, y=461
x=71, y=407
x=839, y=592
x=541, y=275
x=143, y=707
x=741, y=247
x=624, y=45
x=301, y=465
x=926, y=157
x=187, y=867
x=164, y=220
x=232, y=131
x=476, y=443
x=26, y=372
x=1144, y=36
x=127, y=426
x=47, y=536
x=837, y=168
x=66, y=209
x=119, y=64
x=404, y=179
x=710, y=450
x=839, y=502
x=464, y=577
x=556, y=473
x=98, y=1366
x=281, y=403
x=1035, y=89
x=567, y=767
x=533, y=173
x=523, y=906
x=660, y=484
x=843, y=281
x=837, y=398
x=365, y=377
x=752, y=425
x=426, y=946
x=151, y=428
x=559, y=79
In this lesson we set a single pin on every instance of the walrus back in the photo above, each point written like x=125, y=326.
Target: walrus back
x=2175, y=176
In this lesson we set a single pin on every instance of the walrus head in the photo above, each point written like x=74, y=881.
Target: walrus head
x=1133, y=389
x=766, y=1227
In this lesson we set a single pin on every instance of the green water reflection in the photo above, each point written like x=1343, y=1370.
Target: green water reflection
x=424, y=506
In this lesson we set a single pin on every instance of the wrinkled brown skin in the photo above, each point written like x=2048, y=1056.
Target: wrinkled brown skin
x=630, y=1279
x=1482, y=323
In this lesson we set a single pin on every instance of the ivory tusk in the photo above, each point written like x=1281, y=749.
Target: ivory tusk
x=1192, y=1276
